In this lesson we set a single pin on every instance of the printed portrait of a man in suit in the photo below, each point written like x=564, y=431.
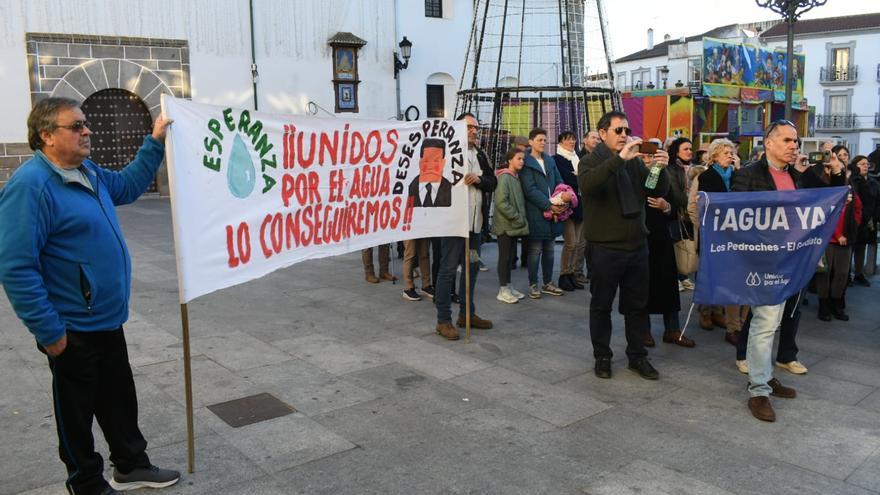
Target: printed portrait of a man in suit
x=430, y=188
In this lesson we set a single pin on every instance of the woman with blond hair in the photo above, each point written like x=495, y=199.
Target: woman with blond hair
x=716, y=179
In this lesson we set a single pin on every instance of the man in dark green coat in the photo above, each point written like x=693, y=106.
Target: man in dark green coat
x=612, y=182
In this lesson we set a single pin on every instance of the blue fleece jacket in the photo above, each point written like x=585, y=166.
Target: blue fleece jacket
x=63, y=259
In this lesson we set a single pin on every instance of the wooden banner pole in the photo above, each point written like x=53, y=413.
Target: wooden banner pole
x=187, y=376
x=467, y=289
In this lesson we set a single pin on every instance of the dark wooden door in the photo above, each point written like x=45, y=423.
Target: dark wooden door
x=120, y=120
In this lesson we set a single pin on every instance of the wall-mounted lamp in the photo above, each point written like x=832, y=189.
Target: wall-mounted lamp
x=405, y=52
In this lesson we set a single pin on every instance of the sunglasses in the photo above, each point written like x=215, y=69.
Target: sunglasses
x=621, y=130
x=777, y=123
x=77, y=126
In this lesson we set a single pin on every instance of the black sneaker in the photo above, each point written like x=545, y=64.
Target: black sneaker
x=411, y=295
x=428, y=291
x=150, y=477
x=603, y=367
x=109, y=491
x=643, y=367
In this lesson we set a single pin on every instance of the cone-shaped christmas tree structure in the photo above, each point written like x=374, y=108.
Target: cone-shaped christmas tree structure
x=528, y=65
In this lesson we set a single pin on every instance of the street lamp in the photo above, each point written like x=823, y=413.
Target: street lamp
x=790, y=10
x=406, y=52
x=664, y=73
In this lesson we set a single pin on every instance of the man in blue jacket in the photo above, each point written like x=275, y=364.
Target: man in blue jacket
x=65, y=267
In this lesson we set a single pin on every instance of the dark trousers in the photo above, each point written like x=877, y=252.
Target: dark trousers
x=435, y=259
x=627, y=270
x=833, y=281
x=587, y=261
x=92, y=379
x=788, y=328
x=506, y=249
x=671, y=322
x=452, y=255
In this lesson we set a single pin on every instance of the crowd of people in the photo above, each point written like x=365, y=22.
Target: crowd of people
x=621, y=208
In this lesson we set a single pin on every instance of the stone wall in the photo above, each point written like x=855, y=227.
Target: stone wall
x=11, y=156
x=59, y=65
x=76, y=66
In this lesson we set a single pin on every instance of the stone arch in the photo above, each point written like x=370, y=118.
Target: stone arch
x=447, y=82
x=95, y=75
x=90, y=77
x=440, y=78
x=508, y=82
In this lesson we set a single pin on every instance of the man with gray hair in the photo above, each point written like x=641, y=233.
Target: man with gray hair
x=66, y=270
x=773, y=173
x=588, y=143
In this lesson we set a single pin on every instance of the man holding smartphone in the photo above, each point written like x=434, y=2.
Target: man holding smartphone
x=612, y=181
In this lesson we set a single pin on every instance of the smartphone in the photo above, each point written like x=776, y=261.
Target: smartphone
x=647, y=147
x=818, y=157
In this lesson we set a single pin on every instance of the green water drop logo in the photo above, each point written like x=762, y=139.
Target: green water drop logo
x=241, y=175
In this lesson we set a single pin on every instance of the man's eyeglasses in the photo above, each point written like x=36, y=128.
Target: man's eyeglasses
x=77, y=126
x=621, y=130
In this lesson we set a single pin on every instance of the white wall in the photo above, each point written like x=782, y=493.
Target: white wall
x=439, y=45
x=293, y=57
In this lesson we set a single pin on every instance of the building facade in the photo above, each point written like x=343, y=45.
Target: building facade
x=119, y=57
x=841, y=78
x=843, y=71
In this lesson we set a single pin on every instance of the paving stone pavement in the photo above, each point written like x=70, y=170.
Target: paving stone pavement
x=384, y=405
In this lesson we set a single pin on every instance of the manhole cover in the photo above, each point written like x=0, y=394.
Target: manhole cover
x=249, y=410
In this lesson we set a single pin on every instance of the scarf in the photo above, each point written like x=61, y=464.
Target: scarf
x=684, y=172
x=570, y=155
x=725, y=174
x=627, y=186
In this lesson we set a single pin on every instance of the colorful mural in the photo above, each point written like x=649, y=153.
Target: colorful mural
x=729, y=67
x=681, y=111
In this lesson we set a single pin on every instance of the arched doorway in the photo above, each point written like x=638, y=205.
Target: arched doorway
x=120, y=120
x=440, y=95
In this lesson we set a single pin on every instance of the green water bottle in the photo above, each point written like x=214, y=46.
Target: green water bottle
x=653, y=177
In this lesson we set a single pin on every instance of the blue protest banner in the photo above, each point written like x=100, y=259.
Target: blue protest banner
x=760, y=248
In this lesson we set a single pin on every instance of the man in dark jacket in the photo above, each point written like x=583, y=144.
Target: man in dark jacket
x=772, y=173
x=612, y=182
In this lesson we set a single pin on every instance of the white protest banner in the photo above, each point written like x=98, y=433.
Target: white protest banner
x=253, y=192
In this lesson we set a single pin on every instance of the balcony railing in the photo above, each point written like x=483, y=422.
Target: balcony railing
x=837, y=121
x=842, y=73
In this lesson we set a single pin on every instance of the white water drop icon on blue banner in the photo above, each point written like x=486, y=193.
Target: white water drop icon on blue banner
x=241, y=175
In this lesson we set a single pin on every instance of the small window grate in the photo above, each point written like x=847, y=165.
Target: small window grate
x=433, y=8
